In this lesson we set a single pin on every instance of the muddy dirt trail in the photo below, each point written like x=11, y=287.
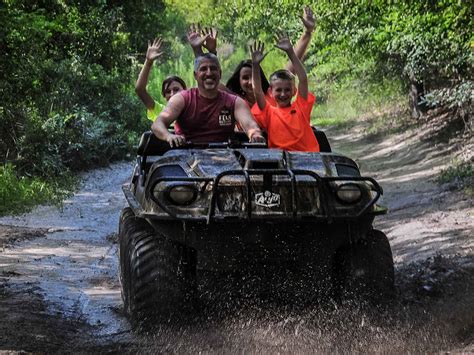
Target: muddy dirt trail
x=59, y=289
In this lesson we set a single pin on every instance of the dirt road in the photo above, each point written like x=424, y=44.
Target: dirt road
x=71, y=266
x=59, y=288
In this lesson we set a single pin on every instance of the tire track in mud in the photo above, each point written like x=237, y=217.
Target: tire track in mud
x=75, y=268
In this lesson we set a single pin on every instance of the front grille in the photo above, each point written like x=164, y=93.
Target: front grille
x=238, y=194
x=266, y=202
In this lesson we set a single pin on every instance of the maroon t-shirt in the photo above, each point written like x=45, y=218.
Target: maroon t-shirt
x=206, y=120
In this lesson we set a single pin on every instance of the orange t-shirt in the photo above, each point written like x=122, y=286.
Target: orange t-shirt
x=289, y=127
x=270, y=101
x=269, y=97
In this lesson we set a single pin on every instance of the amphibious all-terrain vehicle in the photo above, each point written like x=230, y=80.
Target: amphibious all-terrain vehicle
x=233, y=205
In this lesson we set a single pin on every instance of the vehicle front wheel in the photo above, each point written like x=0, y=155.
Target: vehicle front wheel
x=153, y=276
x=365, y=271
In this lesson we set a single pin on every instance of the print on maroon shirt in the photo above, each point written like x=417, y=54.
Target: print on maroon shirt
x=207, y=120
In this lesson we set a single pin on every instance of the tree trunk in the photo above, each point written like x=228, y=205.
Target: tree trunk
x=417, y=91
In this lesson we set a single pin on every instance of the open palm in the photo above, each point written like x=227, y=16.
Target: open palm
x=308, y=19
x=195, y=39
x=257, y=52
x=154, y=49
x=211, y=39
x=283, y=42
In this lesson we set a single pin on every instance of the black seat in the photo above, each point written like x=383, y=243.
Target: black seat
x=151, y=145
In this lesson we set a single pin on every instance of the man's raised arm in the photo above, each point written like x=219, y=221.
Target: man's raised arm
x=247, y=122
x=169, y=114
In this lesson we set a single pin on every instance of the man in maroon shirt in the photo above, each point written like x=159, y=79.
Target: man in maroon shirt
x=205, y=114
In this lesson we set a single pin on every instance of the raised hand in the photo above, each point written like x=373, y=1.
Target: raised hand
x=256, y=51
x=283, y=42
x=308, y=19
x=154, y=50
x=194, y=36
x=211, y=39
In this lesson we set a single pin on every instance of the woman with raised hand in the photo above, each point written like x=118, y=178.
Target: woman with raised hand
x=170, y=86
x=240, y=83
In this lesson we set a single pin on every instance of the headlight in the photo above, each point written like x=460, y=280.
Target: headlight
x=349, y=193
x=181, y=194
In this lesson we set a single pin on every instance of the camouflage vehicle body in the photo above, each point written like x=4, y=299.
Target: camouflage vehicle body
x=244, y=203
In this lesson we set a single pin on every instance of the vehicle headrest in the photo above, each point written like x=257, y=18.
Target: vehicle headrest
x=324, y=145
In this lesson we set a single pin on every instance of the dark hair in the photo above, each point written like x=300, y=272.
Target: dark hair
x=167, y=82
x=282, y=74
x=233, y=84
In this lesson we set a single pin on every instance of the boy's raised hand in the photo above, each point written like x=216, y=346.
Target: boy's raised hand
x=211, y=39
x=308, y=19
x=256, y=51
x=283, y=42
x=154, y=50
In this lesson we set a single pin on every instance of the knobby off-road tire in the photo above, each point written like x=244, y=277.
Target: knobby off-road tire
x=365, y=271
x=156, y=284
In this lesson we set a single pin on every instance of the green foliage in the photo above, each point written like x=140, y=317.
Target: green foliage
x=274, y=61
x=20, y=194
x=459, y=97
x=459, y=171
x=66, y=82
x=354, y=100
x=230, y=60
x=461, y=175
x=427, y=39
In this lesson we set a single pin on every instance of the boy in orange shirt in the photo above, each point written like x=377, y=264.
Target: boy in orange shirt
x=287, y=124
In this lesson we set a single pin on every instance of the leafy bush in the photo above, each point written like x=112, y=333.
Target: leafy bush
x=460, y=95
x=67, y=86
x=66, y=82
x=20, y=194
x=460, y=171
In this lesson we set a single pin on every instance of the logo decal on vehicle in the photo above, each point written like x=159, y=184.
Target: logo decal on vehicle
x=267, y=199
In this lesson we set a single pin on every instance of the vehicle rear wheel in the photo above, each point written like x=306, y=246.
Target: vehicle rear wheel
x=156, y=282
x=366, y=271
